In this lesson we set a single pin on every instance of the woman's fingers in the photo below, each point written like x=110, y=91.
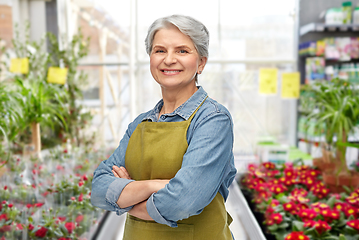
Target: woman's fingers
x=120, y=172
x=115, y=173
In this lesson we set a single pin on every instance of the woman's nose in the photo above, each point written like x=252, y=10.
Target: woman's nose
x=169, y=59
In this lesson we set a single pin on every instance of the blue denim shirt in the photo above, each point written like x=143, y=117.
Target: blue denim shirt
x=207, y=166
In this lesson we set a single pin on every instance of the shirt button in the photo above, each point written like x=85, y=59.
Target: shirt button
x=163, y=117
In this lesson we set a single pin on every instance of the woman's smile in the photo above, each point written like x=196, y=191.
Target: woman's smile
x=170, y=72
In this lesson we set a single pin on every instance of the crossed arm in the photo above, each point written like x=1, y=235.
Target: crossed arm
x=136, y=193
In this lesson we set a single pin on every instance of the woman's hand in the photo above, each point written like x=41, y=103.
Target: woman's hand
x=156, y=184
x=136, y=192
x=120, y=172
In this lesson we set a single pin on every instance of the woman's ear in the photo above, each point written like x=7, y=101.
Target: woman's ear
x=202, y=63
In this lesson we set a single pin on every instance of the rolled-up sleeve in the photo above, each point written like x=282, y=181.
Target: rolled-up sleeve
x=207, y=167
x=106, y=188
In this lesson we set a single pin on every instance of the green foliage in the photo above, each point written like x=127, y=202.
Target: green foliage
x=337, y=107
x=69, y=57
x=41, y=102
x=33, y=100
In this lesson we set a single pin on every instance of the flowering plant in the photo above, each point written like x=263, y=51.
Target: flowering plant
x=296, y=204
x=48, y=202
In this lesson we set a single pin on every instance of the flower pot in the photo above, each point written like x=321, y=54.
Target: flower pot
x=323, y=165
x=335, y=182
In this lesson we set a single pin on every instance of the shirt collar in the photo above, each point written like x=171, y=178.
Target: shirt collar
x=184, y=111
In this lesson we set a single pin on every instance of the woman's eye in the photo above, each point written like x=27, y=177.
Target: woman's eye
x=160, y=51
x=183, y=51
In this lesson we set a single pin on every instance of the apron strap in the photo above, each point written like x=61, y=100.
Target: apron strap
x=194, y=113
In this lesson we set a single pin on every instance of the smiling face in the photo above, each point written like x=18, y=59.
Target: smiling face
x=174, y=60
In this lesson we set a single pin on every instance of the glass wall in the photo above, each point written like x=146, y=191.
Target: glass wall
x=244, y=37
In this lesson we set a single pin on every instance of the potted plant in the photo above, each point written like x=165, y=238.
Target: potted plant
x=40, y=102
x=337, y=104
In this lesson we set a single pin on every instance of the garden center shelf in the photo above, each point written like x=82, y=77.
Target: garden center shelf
x=322, y=27
x=351, y=138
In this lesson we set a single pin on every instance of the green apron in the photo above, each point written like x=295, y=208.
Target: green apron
x=155, y=151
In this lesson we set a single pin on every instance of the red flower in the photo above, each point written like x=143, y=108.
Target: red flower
x=274, y=203
x=299, y=192
x=334, y=214
x=6, y=228
x=321, y=227
x=261, y=187
x=38, y=204
x=309, y=223
x=3, y=216
x=354, y=224
x=31, y=227
x=29, y=205
x=81, y=183
x=309, y=182
x=59, y=167
x=79, y=218
x=45, y=193
x=351, y=211
x=340, y=206
x=277, y=218
x=10, y=205
x=307, y=214
x=84, y=177
x=290, y=173
x=289, y=207
x=318, y=206
x=19, y=226
x=41, y=232
x=5, y=187
x=252, y=167
x=277, y=188
x=296, y=236
x=70, y=226
x=329, y=214
x=61, y=219
x=81, y=197
x=268, y=165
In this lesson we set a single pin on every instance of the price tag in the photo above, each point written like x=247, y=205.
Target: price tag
x=268, y=78
x=57, y=75
x=290, y=85
x=19, y=65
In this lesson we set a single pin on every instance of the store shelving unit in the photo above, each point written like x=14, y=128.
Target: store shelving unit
x=322, y=27
x=312, y=29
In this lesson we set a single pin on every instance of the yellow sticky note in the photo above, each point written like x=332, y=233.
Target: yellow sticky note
x=57, y=75
x=19, y=65
x=268, y=78
x=290, y=85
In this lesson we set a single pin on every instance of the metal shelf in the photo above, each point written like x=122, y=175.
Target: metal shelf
x=244, y=213
x=321, y=27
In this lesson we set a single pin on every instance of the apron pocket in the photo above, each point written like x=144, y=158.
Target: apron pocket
x=136, y=229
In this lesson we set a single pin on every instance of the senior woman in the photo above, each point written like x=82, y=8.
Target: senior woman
x=173, y=166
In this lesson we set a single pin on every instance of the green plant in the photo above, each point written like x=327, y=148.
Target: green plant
x=69, y=57
x=10, y=114
x=40, y=102
x=337, y=105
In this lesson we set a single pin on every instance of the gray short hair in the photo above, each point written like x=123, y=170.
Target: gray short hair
x=187, y=25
